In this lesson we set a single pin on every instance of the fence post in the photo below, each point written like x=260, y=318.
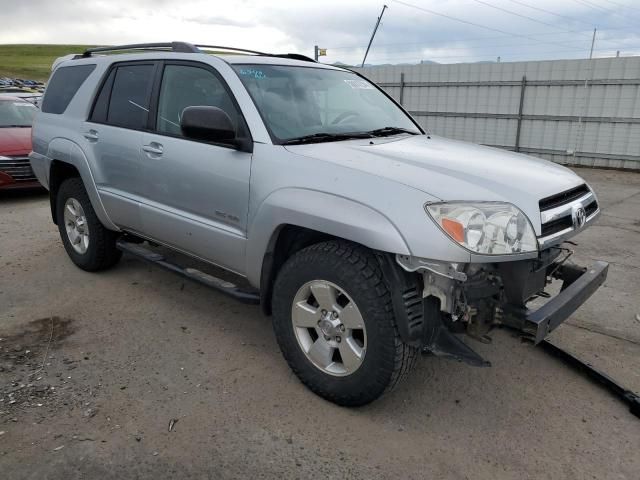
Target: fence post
x=401, y=88
x=523, y=86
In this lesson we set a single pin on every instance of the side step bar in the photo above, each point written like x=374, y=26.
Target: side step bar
x=249, y=296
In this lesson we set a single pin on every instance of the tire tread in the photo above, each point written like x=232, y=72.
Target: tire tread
x=400, y=358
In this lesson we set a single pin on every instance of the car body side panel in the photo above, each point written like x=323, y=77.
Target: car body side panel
x=308, y=208
x=65, y=150
x=339, y=201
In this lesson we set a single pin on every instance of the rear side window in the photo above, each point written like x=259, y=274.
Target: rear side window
x=130, y=96
x=101, y=106
x=63, y=85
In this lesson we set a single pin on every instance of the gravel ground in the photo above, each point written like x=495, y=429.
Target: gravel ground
x=137, y=373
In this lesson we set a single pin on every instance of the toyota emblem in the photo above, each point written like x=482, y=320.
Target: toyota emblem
x=579, y=216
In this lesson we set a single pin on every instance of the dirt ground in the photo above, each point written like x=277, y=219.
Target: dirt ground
x=137, y=373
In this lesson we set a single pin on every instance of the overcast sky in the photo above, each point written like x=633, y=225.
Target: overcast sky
x=411, y=30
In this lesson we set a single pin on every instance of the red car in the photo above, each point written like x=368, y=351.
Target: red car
x=16, y=117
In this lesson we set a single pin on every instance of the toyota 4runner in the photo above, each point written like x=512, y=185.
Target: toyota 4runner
x=367, y=239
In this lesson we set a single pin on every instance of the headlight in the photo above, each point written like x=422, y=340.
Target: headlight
x=490, y=228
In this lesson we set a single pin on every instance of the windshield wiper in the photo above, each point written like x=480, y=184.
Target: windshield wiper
x=15, y=126
x=386, y=131
x=324, y=137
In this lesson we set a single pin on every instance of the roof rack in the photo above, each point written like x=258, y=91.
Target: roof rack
x=293, y=56
x=231, y=49
x=184, y=47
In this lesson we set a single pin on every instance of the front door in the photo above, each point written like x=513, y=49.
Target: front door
x=196, y=194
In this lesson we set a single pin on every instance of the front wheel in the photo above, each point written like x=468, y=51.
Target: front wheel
x=334, y=322
x=88, y=243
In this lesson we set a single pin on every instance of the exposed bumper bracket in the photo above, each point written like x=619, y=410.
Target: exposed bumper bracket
x=441, y=342
x=579, y=284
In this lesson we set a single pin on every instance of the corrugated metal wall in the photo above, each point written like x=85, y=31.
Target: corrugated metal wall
x=580, y=112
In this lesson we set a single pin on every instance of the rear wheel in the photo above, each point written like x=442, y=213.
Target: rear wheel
x=88, y=243
x=334, y=322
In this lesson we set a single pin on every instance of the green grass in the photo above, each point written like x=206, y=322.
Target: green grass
x=32, y=62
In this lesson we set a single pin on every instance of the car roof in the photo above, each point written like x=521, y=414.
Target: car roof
x=231, y=59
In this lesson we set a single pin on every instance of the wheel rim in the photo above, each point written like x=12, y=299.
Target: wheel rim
x=75, y=222
x=329, y=328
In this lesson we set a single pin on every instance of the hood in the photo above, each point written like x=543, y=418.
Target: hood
x=15, y=141
x=451, y=169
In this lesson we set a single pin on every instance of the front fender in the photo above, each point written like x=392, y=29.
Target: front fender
x=64, y=150
x=331, y=214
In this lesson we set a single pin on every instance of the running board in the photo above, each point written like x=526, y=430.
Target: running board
x=249, y=296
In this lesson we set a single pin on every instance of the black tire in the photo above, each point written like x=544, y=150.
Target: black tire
x=355, y=269
x=101, y=251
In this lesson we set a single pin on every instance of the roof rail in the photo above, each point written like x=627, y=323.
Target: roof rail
x=185, y=47
x=174, y=46
x=293, y=56
x=232, y=49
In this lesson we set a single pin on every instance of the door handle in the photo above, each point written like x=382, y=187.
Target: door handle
x=91, y=135
x=154, y=148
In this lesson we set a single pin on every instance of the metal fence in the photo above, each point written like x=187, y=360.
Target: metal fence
x=579, y=112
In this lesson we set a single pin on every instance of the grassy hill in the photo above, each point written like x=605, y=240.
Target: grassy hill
x=32, y=62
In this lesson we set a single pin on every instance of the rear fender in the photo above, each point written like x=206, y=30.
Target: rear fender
x=64, y=150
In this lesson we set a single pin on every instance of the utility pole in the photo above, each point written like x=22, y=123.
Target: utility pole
x=375, y=29
x=315, y=53
x=593, y=42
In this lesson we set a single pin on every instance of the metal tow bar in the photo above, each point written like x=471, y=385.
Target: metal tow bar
x=627, y=396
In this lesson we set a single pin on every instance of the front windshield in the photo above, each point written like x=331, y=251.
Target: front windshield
x=14, y=113
x=299, y=101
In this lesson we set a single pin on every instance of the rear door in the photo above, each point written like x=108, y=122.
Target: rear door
x=114, y=132
x=196, y=193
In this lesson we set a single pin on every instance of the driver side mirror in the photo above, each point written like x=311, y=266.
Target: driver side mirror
x=208, y=124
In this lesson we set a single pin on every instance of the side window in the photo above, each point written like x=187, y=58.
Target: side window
x=185, y=86
x=62, y=87
x=130, y=94
x=101, y=106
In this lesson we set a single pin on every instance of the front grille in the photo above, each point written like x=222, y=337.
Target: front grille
x=561, y=198
x=557, y=225
x=558, y=209
x=19, y=168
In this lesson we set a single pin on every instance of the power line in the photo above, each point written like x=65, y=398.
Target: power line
x=598, y=7
x=593, y=5
x=469, y=47
x=573, y=19
x=465, y=39
x=468, y=22
x=516, y=14
x=623, y=5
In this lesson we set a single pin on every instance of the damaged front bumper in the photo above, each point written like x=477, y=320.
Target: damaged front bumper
x=435, y=302
x=578, y=285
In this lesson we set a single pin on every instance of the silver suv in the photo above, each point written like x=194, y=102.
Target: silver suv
x=367, y=239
